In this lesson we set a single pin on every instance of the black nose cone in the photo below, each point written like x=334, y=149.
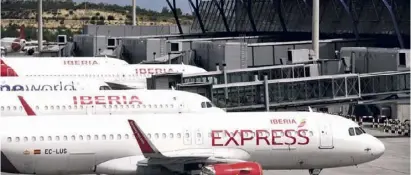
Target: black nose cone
x=7, y=166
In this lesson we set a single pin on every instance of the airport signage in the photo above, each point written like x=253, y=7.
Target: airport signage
x=60, y=86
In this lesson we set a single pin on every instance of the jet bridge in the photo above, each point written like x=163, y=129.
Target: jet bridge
x=279, y=91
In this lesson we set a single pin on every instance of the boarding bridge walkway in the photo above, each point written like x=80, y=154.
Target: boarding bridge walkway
x=285, y=91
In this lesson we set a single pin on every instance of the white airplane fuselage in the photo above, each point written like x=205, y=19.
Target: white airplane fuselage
x=133, y=76
x=109, y=102
x=106, y=145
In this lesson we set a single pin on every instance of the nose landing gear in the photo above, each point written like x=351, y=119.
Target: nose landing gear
x=314, y=171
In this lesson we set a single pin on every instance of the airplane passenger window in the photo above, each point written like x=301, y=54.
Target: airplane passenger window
x=20, y=108
x=9, y=139
x=41, y=138
x=115, y=106
x=33, y=139
x=95, y=137
x=2, y=108
x=161, y=106
x=65, y=138
x=358, y=131
x=178, y=135
x=81, y=137
x=37, y=108
x=149, y=106
x=75, y=107
x=17, y=139
x=14, y=108
x=156, y=135
x=81, y=107
x=144, y=106
x=57, y=138
x=187, y=135
x=166, y=106
x=149, y=135
x=171, y=135
x=155, y=106
x=51, y=107
x=73, y=137
x=126, y=106
x=8, y=108
x=351, y=132
x=49, y=138
x=171, y=106
x=57, y=107
x=88, y=137
x=111, y=136
x=126, y=136
x=198, y=135
x=103, y=137
x=118, y=137
x=26, y=139
x=164, y=135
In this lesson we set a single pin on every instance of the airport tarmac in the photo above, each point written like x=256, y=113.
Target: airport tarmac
x=395, y=161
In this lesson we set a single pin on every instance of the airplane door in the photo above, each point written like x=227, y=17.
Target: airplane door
x=187, y=137
x=199, y=137
x=80, y=162
x=90, y=109
x=326, y=136
x=28, y=163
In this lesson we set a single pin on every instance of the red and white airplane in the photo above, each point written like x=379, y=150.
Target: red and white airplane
x=11, y=44
x=222, y=144
x=132, y=76
x=104, y=102
x=51, y=84
x=62, y=61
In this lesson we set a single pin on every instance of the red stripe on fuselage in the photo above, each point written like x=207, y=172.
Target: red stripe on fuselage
x=26, y=106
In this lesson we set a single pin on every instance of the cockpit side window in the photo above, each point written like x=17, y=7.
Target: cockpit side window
x=351, y=132
x=203, y=105
x=358, y=131
x=105, y=88
x=362, y=130
x=209, y=105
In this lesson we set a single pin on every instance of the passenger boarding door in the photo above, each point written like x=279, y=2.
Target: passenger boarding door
x=326, y=136
x=28, y=163
x=90, y=109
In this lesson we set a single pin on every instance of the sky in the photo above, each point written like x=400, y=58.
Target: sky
x=156, y=5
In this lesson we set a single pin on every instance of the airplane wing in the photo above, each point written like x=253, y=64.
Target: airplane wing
x=155, y=157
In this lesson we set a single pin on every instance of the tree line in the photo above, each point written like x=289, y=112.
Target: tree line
x=31, y=32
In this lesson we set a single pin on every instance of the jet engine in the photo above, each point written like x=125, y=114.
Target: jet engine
x=243, y=168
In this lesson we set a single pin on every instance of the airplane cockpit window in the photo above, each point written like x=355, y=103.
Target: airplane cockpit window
x=105, y=88
x=358, y=131
x=362, y=130
x=351, y=132
x=209, y=105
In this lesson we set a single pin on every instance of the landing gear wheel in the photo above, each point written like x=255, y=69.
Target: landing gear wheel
x=314, y=171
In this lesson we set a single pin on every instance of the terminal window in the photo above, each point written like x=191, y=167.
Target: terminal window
x=174, y=47
x=402, y=59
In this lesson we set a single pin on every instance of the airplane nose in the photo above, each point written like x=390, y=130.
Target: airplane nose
x=378, y=148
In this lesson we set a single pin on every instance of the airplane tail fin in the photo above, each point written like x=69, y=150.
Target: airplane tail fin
x=147, y=147
x=22, y=34
x=26, y=106
x=310, y=109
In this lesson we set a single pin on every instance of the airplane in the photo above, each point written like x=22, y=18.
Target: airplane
x=61, y=61
x=131, y=76
x=103, y=102
x=11, y=44
x=51, y=84
x=218, y=144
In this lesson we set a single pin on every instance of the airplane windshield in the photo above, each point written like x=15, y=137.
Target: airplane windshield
x=356, y=131
x=206, y=104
